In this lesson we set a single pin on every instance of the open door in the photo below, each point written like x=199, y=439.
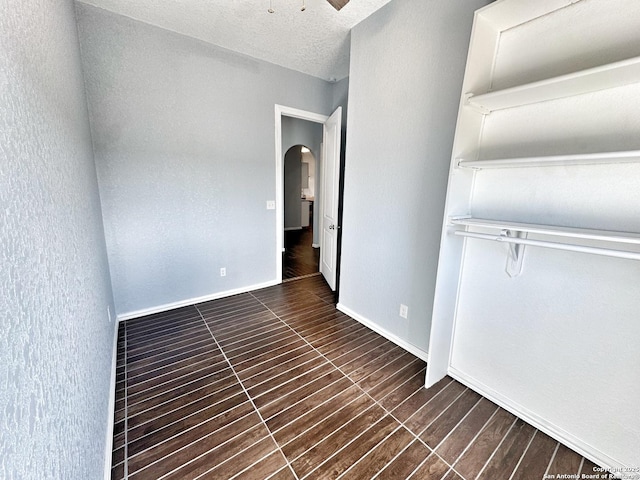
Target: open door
x=330, y=192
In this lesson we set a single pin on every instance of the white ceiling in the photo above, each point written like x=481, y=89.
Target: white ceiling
x=315, y=41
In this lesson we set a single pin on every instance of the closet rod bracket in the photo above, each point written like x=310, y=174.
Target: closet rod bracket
x=516, y=252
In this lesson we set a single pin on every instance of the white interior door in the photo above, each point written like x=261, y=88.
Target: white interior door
x=330, y=183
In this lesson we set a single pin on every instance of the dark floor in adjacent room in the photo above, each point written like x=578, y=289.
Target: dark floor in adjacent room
x=277, y=384
x=299, y=258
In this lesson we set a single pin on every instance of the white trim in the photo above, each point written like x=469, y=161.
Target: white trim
x=542, y=424
x=315, y=245
x=192, y=301
x=418, y=352
x=301, y=114
x=108, y=454
x=601, y=158
x=279, y=192
x=287, y=229
x=280, y=111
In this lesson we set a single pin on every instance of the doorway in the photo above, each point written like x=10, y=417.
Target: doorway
x=326, y=197
x=299, y=258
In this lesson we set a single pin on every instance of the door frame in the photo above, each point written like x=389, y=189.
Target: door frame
x=283, y=111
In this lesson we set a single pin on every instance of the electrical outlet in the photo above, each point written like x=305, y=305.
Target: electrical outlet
x=404, y=311
x=223, y=272
x=271, y=204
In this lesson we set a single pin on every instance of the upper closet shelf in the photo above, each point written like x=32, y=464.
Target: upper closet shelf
x=569, y=232
x=611, y=75
x=631, y=156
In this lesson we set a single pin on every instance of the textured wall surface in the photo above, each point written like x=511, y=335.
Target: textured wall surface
x=407, y=64
x=56, y=340
x=184, y=141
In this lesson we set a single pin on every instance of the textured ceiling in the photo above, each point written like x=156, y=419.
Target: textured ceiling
x=315, y=41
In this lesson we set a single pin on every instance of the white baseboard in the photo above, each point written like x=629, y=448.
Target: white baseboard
x=292, y=228
x=315, y=245
x=191, y=301
x=418, y=352
x=542, y=424
x=108, y=454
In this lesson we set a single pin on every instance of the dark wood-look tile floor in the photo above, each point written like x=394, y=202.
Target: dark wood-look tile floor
x=299, y=258
x=277, y=384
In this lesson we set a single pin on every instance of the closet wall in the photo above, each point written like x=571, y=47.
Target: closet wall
x=549, y=330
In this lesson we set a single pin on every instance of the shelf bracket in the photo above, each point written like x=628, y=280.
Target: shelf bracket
x=451, y=221
x=478, y=108
x=516, y=253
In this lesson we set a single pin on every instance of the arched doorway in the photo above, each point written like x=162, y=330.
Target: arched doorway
x=299, y=258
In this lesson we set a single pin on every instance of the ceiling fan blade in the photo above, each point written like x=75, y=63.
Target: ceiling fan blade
x=338, y=4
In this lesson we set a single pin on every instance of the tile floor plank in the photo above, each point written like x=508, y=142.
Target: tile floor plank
x=383, y=381
x=536, y=459
x=473, y=460
x=433, y=468
x=286, y=376
x=298, y=415
x=406, y=390
x=171, y=453
x=419, y=399
x=242, y=459
x=506, y=457
x=283, y=474
x=464, y=433
x=432, y=410
x=321, y=452
x=282, y=403
x=186, y=403
x=264, y=468
x=565, y=462
x=274, y=361
x=164, y=428
x=339, y=463
x=405, y=463
x=321, y=427
x=440, y=428
x=377, y=458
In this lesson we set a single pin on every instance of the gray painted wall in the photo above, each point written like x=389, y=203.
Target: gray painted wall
x=56, y=341
x=340, y=95
x=184, y=141
x=407, y=64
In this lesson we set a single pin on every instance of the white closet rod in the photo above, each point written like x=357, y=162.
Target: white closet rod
x=558, y=246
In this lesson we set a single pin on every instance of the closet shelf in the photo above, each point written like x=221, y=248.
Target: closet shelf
x=570, y=232
x=631, y=156
x=612, y=75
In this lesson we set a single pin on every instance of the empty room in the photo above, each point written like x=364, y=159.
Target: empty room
x=319, y=239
